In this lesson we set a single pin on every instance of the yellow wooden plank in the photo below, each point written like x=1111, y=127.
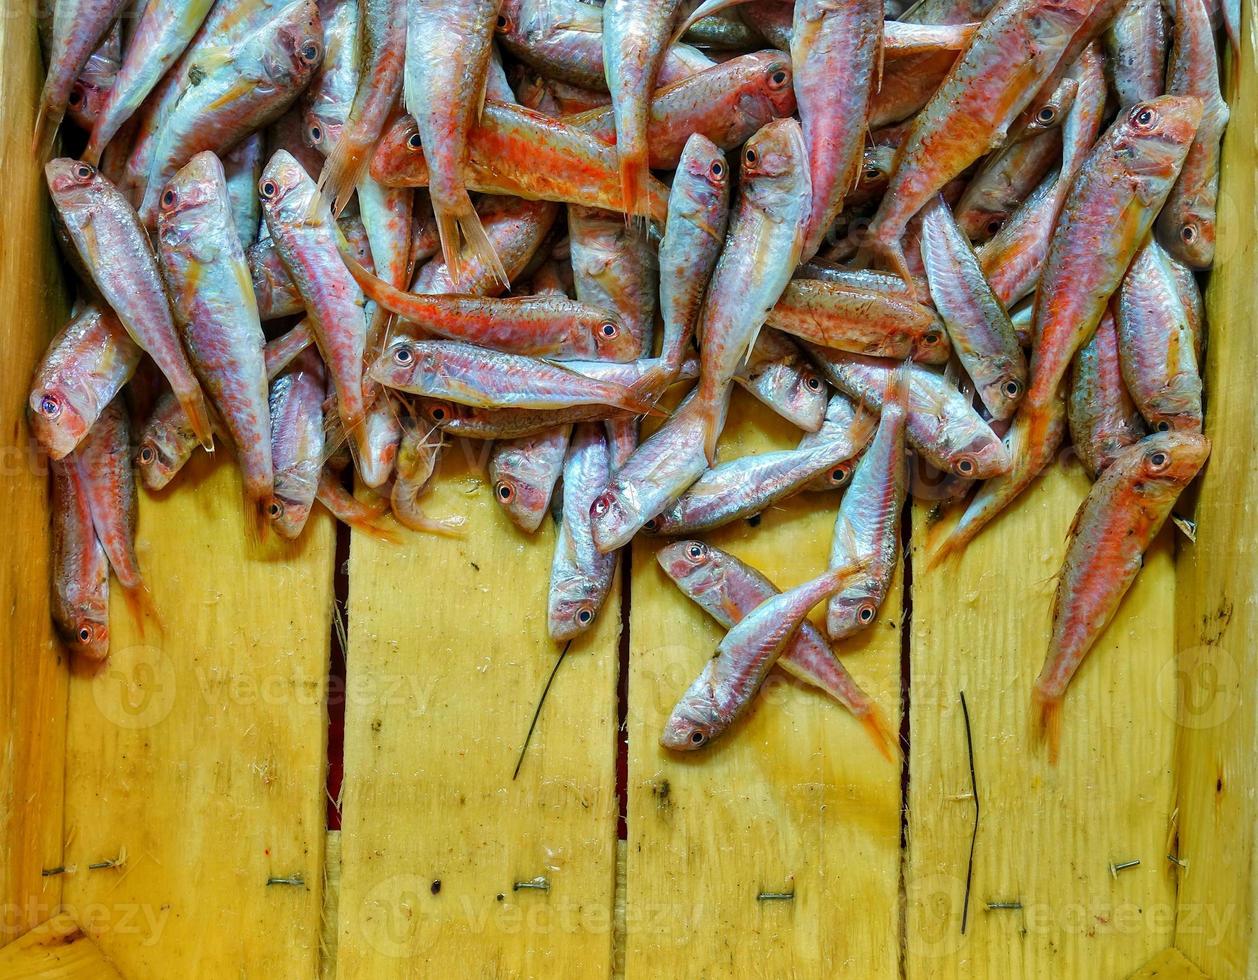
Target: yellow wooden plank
x=331, y=905
x=448, y=652
x=55, y=950
x=1217, y=630
x=1170, y=964
x=1048, y=833
x=198, y=753
x=32, y=664
x=796, y=797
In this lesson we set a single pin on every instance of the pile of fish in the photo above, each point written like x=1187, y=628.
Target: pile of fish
x=941, y=241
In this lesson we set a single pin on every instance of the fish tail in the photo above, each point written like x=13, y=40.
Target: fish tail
x=708, y=410
x=635, y=188
x=1046, y=717
x=141, y=606
x=447, y=527
x=342, y=171
x=193, y=403
x=368, y=526
x=461, y=228
x=47, y=122
x=885, y=738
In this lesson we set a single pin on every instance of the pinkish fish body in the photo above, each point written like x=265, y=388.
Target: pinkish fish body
x=614, y=267
x=91, y=89
x=297, y=443
x=524, y=472
x=1136, y=45
x=780, y=377
x=1103, y=419
x=79, y=567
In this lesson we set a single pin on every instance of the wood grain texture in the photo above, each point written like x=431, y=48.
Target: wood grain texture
x=198, y=752
x=1217, y=622
x=1170, y=964
x=448, y=655
x=1048, y=833
x=55, y=950
x=32, y=663
x=331, y=905
x=794, y=797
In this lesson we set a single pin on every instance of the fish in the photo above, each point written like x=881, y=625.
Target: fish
x=79, y=568
x=615, y=267
x=88, y=362
x=297, y=443
x=165, y=29
x=116, y=254
x=580, y=574
x=383, y=52
x=247, y=86
x=276, y=293
x=977, y=322
x=447, y=62
x=325, y=104
x=763, y=248
x=540, y=326
x=363, y=515
x=212, y=298
x=1103, y=419
x=506, y=423
x=1156, y=344
x=860, y=320
x=635, y=38
x=844, y=419
x=1186, y=224
x=728, y=683
x=524, y=472
x=377, y=441
x=867, y=526
x=242, y=169
x=1010, y=57
x=728, y=589
x=519, y=153
x=694, y=233
x=779, y=376
x=416, y=459
x=483, y=378
x=1135, y=44
x=726, y=104
x=1004, y=182
x=1113, y=528
x=836, y=53
x=90, y=91
x=305, y=238
x=942, y=425
x=78, y=28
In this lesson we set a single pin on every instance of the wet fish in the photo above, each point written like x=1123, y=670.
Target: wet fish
x=85, y=366
x=80, y=570
x=1103, y=419
x=524, y=472
x=242, y=168
x=297, y=443
x=615, y=267
x=1115, y=525
x=779, y=376
x=1136, y=45
x=91, y=89
x=277, y=295
x=116, y=253
x=416, y=460
x=1004, y=182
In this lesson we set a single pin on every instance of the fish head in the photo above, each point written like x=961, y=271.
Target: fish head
x=696, y=567
x=615, y=514
x=611, y=339
x=795, y=391
x=296, y=49
x=287, y=516
x=442, y=414
x=851, y=611
x=774, y=82
x=1169, y=461
x=399, y=155
x=572, y=607
x=87, y=633
x=521, y=485
x=1189, y=230
x=60, y=416
x=703, y=175
x=695, y=720
x=402, y=359
x=321, y=130
x=973, y=451
x=165, y=446
x=837, y=476
x=87, y=98
x=1003, y=392
x=1152, y=139
x=72, y=183
x=182, y=205
x=286, y=189
x=775, y=173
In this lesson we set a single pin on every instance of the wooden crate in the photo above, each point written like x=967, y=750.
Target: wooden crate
x=197, y=757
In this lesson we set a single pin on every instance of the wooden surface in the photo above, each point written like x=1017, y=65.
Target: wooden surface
x=1047, y=833
x=32, y=664
x=331, y=905
x=1170, y=964
x=198, y=752
x=795, y=797
x=1218, y=580
x=448, y=654
x=55, y=950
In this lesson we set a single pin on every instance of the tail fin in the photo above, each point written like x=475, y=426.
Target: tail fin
x=461, y=228
x=1046, y=719
x=634, y=183
x=342, y=171
x=193, y=403
x=885, y=738
x=706, y=406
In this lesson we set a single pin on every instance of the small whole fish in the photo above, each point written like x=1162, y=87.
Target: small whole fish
x=728, y=589
x=85, y=366
x=762, y=250
x=116, y=253
x=725, y=688
x=778, y=375
x=977, y=322
x=209, y=284
x=297, y=443
x=80, y=570
x=276, y=293
x=1156, y=344
x=524, y=472
x=1004, y=182
x=614, y=267
x=580, y=574
x=1115, y=525
x=1103, y=419
x=698, y=212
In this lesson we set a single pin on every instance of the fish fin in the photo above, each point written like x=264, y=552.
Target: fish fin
x=47, y=122
x=635, y=190
x=141, y=606
x=199, y=418
x=462, y=228
x=342, y=171
x=367, y=526
x=885, y=738
x=450, y=527
x=1046, y=717
x=705, y=9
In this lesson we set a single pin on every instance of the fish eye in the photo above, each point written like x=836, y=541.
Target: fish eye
x=779, y=78
x=438, y=413
x=76, y=96
x=993, y=226
x=268, y=189
x=1046, y=115
x=275, y=509
x=872, y=172
x=1012, y=388
x=866, y=613
x=49, y=406
x=1163, y=426
x=1188, y=233
x=965, y=466
x=84, y=172
x=813, y=382
x=1143, y=117
x=931, y=338
x=751, y=156
x=310, y=51
x=839, y=474
x=504, y=490
x=651, y=526
x=609, y=329
x=584, y=615
x=85, y=634
x=697, y=737
x=717, y=170
x=503, y=24
x=696, y=551
x=403, y=355
x=1159, y=460
x=414, y=142
x=601, y=505
x=168, y=198
x=316, y=133
x=147, y=455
